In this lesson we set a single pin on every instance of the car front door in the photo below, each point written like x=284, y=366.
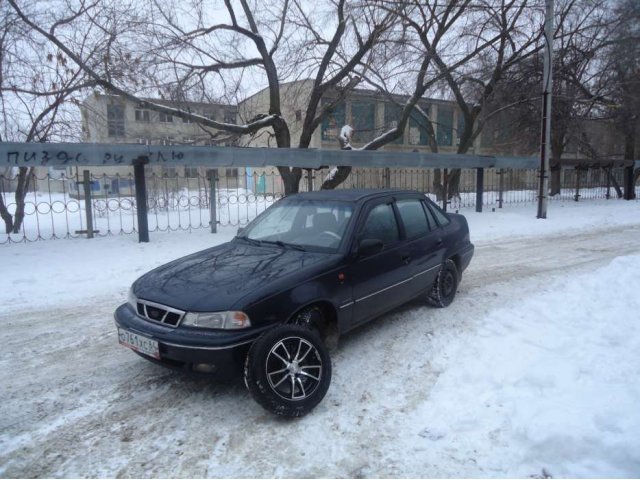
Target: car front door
x=379, y=279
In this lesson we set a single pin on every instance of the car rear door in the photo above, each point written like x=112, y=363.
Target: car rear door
x=379, y=280
x=424, y=243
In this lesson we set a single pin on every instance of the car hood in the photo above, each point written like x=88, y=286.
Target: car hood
x=216, y=279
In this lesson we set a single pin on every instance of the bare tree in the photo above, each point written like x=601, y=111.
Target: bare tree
x=623, y=74
x=581, y=89
x=186, y=45
x=410, y=65
x=38, y=88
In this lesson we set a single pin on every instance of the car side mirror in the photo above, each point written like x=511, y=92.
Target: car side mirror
x=240, y=231
x=369, y=246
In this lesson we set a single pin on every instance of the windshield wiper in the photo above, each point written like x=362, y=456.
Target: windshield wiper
x=282, y=244
x=250, y=240
x=290, y=245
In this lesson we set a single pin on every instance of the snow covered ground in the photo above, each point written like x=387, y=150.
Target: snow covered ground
x=533, y=371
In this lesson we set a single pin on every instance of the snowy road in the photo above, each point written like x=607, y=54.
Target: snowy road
x=75, y=404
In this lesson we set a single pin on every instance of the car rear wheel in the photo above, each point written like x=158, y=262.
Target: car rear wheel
x=288, y=370
x=445, y=286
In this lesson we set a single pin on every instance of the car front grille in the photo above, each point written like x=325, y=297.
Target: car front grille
x=159, y=313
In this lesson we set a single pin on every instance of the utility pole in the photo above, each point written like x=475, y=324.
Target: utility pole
x=547, y=84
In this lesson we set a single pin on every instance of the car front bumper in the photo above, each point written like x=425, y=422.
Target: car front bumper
x=199, y=350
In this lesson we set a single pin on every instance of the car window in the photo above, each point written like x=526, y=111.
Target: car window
x=319, y=225
x=381, y=224
x=439, y=214
x=342, y=213
x=433, y=224
x=413, y=217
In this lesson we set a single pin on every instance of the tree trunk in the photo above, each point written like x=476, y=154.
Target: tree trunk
x=291, y=179
x=615, y=183
x=555, y=186
x=341, y=174
x=6, y=216
x=454, y=183
x=629, y=154
x=24, y=178
x=438, y=185
x=290, y=175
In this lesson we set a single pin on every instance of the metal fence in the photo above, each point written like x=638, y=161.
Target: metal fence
x=181, y=198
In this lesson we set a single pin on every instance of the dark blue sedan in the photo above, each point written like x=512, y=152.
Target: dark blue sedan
x=311, y=267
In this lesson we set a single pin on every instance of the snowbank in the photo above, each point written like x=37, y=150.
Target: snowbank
x=550, y=382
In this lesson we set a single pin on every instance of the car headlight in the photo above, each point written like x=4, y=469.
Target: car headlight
x=132, y=300
x=224, y=320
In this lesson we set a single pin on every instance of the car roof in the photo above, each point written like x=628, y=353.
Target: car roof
x=351, y=194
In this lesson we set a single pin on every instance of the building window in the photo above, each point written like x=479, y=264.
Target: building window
x=298, y=115
x=170, y=172
x=333, y=122
x=460, y=128
x=115, y=120
x=142, y=115
x=229, y=116
x=166, y=118
x=392, y=114
x=444, y=132
x=232, y=180
x=363, y=120
x=191, y=172
x=418, y=126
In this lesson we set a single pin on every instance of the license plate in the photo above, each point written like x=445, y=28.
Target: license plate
x=139, y=343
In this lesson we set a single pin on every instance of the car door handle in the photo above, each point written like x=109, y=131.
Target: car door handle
x=406, y=259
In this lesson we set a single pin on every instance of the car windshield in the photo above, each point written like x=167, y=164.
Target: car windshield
x=309, y=224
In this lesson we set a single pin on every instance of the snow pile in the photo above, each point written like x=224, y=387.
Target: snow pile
x=551, y=382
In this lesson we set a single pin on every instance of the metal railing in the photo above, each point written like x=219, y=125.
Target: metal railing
x=181, y=198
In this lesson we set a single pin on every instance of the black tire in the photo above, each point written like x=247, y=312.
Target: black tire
x=288, y=370
x=445, y=286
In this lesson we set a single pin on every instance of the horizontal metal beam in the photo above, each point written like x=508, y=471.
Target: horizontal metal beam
x=14, y=154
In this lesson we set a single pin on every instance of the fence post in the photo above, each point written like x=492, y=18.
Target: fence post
x=577, y=195
x=629, y=193
x=479, y=188
x=141, y=198
x=607, y=172
x=387, y=177
x=500, y=187
x=213, y=203
x=88, y=203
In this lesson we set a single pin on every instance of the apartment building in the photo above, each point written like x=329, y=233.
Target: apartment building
x=112, y=119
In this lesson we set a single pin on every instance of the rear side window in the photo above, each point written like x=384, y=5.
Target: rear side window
x=413, y=217
x=381, y=224
x=433, y=224
x=439, y=214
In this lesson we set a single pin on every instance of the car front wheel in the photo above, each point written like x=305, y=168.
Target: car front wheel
x=445, y=286
x=288, y=370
